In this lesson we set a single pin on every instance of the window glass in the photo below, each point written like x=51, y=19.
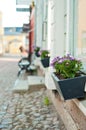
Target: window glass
x=22, y=2
x=22, y=9
x=81, y=44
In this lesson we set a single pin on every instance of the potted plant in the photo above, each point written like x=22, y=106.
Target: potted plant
x=68, y=78
x=36, y=50
x=45, y=58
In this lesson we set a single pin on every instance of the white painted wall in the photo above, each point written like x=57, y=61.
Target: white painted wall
x=59, y=28
x=41, y=18
x=45, y=24
x=56, y=41
x=62, y=27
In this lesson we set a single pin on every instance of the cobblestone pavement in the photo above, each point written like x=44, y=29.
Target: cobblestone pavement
x=23, y=111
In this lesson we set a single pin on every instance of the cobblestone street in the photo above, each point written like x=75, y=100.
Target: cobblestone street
x=24, y=110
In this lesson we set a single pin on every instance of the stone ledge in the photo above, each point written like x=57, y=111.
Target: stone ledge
x=49, y=81
x=36, y=80
x=71, y=115
x=81, y=104
x=20, y=85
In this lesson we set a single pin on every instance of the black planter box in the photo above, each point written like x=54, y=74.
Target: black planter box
x=45, y=62
x=70, y=88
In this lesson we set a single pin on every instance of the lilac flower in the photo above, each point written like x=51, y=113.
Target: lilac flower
x=61, y=60
x=56, y=59
x=79, y=60
x=71, y=58
x=40, y=52
x=68, y=55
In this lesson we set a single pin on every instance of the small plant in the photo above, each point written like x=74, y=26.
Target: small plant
x=67, y=66
x=44, y=54
x=46, y=101
x=36, y=50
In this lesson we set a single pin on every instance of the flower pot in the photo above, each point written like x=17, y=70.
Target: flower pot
x=45, y=62
x=37, y=54
x=70, y=88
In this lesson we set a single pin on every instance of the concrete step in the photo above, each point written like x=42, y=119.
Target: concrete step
x=36, y=80
x=20, y=85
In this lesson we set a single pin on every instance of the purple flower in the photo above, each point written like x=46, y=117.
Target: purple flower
x=61, y=60
x=68, y=55
x=56, y=59
x=40, y=52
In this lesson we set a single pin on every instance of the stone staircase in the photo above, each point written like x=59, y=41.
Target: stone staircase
x=25, y=81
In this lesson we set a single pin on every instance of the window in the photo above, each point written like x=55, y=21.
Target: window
x=44, y=29
x=22, y=2
x=81, y=44
x=22, y=9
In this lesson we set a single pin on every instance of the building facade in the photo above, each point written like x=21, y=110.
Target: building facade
x=1, y=35
x=81, y=44
x=41, y=23
x=13, y=39
x=65, y=34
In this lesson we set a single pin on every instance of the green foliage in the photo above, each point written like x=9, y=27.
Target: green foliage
x=46, y=101
x=44, y=54
x=37, y=49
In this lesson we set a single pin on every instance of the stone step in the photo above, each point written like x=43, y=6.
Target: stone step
x=20, y=85
x=36, y=80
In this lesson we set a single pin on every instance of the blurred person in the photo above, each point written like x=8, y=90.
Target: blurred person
x=23, y=51
x=26, y=53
